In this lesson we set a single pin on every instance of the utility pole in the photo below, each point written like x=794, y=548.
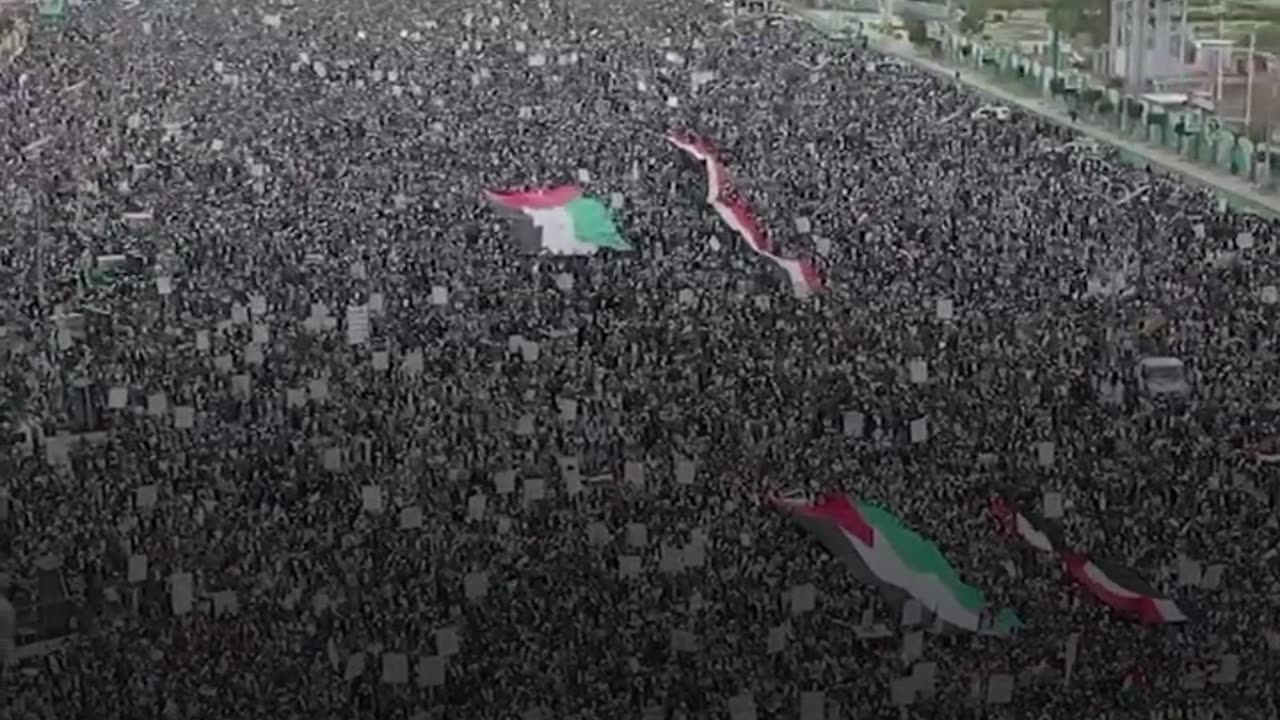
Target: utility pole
x=1248, y=87
x=1138, y=39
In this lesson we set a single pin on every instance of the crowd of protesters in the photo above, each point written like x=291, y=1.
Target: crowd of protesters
x=265, y=167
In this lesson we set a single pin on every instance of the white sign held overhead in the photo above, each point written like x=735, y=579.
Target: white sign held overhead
x=854, y=423
x=439, y=295
x=945, y=309
x=742, y=707
x=919, y=430
x=686, y=470
x=813, y=705
x=476, y=585
x=181, y=593
x=1045, y=452
x=629, y=566
x=803, y=599
x=395, y=668
x=431, y=671
x=918, y=370
x=358, y=324
x=411, y=518
x=633, y=473
x=1053, y=508
x=137, y=569
x=504, y=482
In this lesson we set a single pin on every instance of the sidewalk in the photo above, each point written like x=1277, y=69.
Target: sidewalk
x=1237, y=191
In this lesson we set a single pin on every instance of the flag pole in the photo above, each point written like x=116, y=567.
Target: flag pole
x=1248, y=88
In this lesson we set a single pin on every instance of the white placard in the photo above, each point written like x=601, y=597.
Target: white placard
x=777, y=639
x=813, y=705
x=395, y=668
x=912, y=646
x=157, y=404
x=1270, y=295
x=447, y=641
x=439, y=295
x=411, y=518
x=137, y=569
x=318, y=389
x=999, y=689
x=854, y=423
x=184, y=417
x=524, y=425
x=803, y=599
x=381, y=361
x=332, y=459
x=742, y=707
x=695, y=555
x=202, y=341
x=686, y=470
x=504, y=482
x=253, y=354
x=117, y=398
x=568, y=409
x=358, y=323
x=535, y=489
x=1045, y=452
x=919, y=430
x=477, y=505
x=598, y=534
x=629, y=566
x=912, y=613
x=145, y=497
x=414, y=363
x=1212, y=578
x=1189, y=572
x=1053, y=508
x=564, y=282
x=239, y=314
x=258, y=305
x=945, y=309
x=529, y=351
x=803, y=226
x=633, y=473
x=670, y=559
x=182, y=593
x=431, y=671
x=476, y=585
x=637, y=535
x=918, y=371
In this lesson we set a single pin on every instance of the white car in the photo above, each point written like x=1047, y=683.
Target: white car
x=1163, y=377
x=997, y=112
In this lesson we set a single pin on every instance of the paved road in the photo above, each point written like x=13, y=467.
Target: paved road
x=1240, y=191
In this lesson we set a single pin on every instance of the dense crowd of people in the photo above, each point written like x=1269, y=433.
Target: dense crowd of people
x=355, y=455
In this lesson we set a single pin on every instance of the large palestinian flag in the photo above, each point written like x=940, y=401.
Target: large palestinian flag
x=558, y=221
x=1115, y=584
x=739, y=217
x=882, y=551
